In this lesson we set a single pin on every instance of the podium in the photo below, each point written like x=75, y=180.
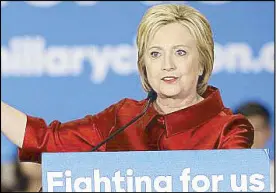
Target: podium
x=244, y=170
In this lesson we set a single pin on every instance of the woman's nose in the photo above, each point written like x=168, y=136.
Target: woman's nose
x=168, y=64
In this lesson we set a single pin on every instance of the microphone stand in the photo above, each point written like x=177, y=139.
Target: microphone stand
x=151, y=97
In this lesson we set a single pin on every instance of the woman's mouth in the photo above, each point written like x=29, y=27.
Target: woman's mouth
x=169, y=79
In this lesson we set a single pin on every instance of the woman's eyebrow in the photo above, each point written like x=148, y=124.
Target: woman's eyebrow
x=181, y=45
x=156, y=47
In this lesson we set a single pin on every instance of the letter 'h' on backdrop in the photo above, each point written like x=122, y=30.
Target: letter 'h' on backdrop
x=244, y=170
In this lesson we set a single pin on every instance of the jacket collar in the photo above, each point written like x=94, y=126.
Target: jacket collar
x=189, y=117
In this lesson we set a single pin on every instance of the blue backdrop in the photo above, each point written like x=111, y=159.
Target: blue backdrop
x=64, y=60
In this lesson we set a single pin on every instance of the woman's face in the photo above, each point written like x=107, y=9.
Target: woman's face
x=172, y=62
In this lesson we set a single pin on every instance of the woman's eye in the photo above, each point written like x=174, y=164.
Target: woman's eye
x=181, y=52
x=155, y=54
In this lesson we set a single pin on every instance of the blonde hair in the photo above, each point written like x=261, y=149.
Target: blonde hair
x=199, y=27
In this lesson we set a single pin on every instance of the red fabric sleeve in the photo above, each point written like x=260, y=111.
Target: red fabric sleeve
x=238, y=133
x=75, y=136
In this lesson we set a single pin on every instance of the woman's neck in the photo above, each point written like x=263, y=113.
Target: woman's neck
x=166, y=105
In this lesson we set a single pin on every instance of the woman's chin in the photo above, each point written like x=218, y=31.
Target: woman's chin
x=170, y=92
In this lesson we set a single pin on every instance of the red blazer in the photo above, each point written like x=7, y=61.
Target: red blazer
x=205, y=125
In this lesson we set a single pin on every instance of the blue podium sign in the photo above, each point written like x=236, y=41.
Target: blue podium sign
x=157, y=171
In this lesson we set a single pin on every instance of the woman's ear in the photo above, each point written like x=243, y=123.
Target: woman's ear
x=201, y=70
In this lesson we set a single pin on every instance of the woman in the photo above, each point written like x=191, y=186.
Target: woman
x=175, y=60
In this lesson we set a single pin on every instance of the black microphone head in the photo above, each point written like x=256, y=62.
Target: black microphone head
x=152, y=95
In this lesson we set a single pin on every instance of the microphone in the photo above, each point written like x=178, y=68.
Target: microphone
x=151, y=98
x=152, y=95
